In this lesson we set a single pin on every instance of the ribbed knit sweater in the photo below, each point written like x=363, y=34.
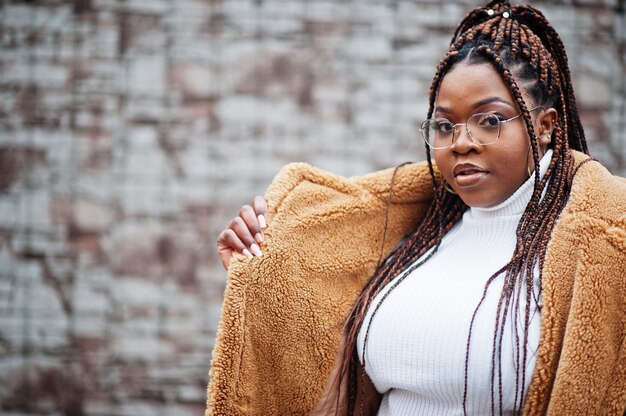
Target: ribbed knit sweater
x=417, y=341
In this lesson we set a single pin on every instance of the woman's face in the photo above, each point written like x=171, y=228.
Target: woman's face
x=484, y=176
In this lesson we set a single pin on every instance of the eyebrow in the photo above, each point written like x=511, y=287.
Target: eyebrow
x=478, y=104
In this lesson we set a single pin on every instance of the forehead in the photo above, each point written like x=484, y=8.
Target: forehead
x=465, y=85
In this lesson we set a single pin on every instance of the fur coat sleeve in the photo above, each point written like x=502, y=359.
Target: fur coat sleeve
x=283, y=312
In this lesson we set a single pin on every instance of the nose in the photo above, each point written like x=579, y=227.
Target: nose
x=462, y=142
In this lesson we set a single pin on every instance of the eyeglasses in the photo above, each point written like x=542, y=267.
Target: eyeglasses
x=482, y=128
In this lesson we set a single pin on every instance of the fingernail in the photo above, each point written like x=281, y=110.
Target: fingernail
x=262, y=221
x=256, y=250
x=258, y=237
x=247, y=253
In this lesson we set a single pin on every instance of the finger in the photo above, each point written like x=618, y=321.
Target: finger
x=227, y=242
x=225, y=256
x=260, y=208
x=243, y=232
x=249, y=217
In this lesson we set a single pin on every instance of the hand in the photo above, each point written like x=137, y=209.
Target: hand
x=238, y=236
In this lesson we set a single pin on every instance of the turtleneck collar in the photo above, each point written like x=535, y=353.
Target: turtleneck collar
x=517, y=202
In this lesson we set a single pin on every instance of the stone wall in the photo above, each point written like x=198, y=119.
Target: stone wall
x=132, y=131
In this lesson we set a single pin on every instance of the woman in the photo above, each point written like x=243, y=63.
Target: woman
x=504, y=288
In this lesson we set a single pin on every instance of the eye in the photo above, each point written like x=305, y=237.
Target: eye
x=488, y=121
x=443, y=126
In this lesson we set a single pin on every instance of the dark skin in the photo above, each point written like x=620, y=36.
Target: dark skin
x=486, y=175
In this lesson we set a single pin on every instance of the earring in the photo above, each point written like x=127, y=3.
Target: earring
x=448, y=188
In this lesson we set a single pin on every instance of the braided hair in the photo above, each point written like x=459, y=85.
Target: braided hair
x=529, y=55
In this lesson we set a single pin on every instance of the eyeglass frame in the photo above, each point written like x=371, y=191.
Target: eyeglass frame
x=469, y=133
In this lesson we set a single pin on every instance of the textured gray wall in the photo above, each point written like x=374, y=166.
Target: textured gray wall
x=131, y=132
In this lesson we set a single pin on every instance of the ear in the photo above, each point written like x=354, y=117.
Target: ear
x=546, y=121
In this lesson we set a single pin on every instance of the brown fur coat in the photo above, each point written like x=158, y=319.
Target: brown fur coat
x=283, y=312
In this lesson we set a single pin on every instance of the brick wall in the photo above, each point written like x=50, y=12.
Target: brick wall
x=132, y=131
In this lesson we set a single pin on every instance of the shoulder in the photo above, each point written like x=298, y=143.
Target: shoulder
x=333, y=222
x=596, y=194
x=301, y=189
x=596, y=209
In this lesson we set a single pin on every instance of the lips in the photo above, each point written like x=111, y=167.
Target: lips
x=466, y=174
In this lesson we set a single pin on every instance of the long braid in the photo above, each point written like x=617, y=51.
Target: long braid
x=524, y=36
x=537, y=22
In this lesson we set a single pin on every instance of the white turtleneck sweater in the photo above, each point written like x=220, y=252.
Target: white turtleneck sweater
x=417, y=341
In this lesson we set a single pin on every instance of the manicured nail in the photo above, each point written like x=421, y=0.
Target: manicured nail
x=247, y=253
x=256, y=250
x=258, y=237
x=262, y=221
